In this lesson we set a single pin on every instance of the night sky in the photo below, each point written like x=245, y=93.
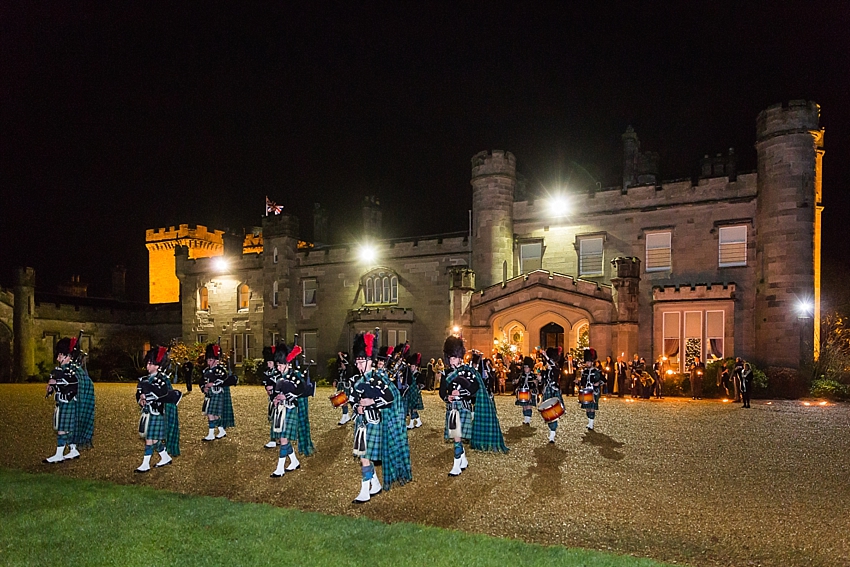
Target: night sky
x=120, y=118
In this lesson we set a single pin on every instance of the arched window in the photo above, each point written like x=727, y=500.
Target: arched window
x=275, y=292
x=380, y=287
x=243, y=297
x=582, y=335
x=203, y=298
x=379, y=296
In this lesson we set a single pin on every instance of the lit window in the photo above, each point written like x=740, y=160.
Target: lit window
x=733, y=246
x=714, y=334
x=244, y=296
x=590, y=257
x=530, y=256
x=203, y=299
x=310, y=286
x=658, y=255
x=672, y=340
x=693, y=336
x=380, y=287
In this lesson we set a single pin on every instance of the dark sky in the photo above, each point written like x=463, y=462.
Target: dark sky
x=131, y=116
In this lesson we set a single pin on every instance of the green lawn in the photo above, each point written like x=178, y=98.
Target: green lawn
x=51, y=520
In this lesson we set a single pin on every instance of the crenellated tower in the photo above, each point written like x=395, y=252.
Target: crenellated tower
x=788, y=221
x=200, y=242
x=493, y=185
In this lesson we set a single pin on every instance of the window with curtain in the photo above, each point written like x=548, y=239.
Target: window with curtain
x=590, y=257
x=672, y=339
x=733, y=246
x=714, y=334
x=658, y=251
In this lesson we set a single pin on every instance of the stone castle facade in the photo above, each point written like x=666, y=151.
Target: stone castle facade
x=723, y=267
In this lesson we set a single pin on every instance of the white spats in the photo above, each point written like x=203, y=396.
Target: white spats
x=146, y=465
x=418, y=422
x=551, y=437
x=211, y=435
x=294, y=463
x=164, y=459
x=345, y=419
x=58, y=457
x=374, y=485
x=526, y=420
x=73, y=453
x=221, y=433
x=412, y=424
x=463, y=462
x=456, y=470
x=364, y=495
x=590, y=424
x=281, y=468
x=270, y=445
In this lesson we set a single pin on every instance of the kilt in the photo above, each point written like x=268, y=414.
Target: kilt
x=216, y=405
x=65, y=416
x=156, y=428
x=373, y=439
x=290, y=428
x=465, y=420
x=413, y=398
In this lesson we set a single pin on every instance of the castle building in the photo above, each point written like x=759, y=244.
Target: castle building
x=726, y=266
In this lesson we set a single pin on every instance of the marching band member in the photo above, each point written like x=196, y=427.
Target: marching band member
x=412, y=394
x=379, y=435
x=270, y=378
x=158, y=425
x=527, y=385
x=551, y=386
x=218, y=405
x=591, y=377
x=285, y=392
x=343, y=383
x=73, y=394
x=463, y=390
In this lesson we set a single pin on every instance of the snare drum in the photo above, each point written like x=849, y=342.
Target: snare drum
x=339, y=399
x=524, y=395
x=585, y=395
x=551, y=409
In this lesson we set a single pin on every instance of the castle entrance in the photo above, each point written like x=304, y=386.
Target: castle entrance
x=551, y=336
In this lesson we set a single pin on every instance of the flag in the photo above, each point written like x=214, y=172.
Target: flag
x=272, y=207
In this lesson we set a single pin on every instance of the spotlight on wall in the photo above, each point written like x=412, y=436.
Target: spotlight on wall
x=220, y=264
x=805, y=307
x=367, y=253
x=558, y=206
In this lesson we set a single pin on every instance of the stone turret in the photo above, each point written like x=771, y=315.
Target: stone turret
x=788, y=219
x=280, y=289
x=626, y=299
x=23, y=323
x=493, y=185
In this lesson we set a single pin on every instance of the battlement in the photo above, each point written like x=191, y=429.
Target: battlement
x=456, y=243
x=795, y=116
x=694, y=292
x=183, y=231
x=494, y=162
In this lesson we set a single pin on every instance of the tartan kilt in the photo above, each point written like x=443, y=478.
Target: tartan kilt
x=290, y=428
x=373, y=439
x=465, y=420
x=413, y=398
x=216, y=404
x=65, y=416
x=156, y=428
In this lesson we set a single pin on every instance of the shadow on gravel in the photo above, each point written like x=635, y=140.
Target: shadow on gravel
x=607, y=446
x=518, y=433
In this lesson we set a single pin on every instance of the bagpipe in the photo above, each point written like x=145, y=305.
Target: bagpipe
x=77, y=357
x=309, y=385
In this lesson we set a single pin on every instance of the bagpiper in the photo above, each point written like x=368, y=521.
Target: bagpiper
x=73, y=395
x=591, y=384
x=285, y=392
x=344, y=383
x=218, y=405
x=464, y=391
x=412, y=392
x=379, y=435
x=158, y=424
x=270, y=378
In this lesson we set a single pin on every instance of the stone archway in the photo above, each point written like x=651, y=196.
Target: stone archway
x=551, y=336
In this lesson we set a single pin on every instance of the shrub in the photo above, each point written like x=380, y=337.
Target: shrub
x=832, y=389
x=252, y=371
x=785, y=383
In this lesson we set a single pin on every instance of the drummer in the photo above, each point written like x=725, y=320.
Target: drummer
x=551, y=387
x=527, y=389
x=592, y=378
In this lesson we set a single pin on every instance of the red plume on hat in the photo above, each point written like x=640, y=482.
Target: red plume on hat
x=390, y=350
x=160, y=355
x=369, y=341
x=73, y=343
x=216, y=350
x=296, y=350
